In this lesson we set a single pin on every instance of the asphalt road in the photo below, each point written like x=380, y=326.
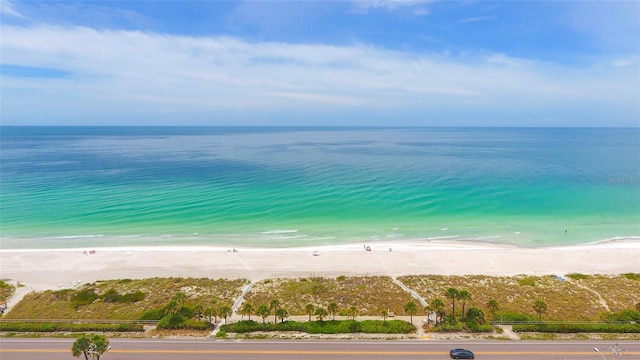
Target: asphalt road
x=53, y=349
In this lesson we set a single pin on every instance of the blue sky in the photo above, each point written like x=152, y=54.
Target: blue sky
x=378, y=62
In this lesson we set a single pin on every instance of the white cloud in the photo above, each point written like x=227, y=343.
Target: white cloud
x=623, y=62
x=7, y=9
x=476, y=19
x=118, y=73
x=363, y=6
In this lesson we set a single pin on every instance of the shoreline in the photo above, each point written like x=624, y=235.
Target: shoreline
x=50, y=269
x=447, y=241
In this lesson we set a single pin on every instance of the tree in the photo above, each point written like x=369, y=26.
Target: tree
x=247, y=309
x=333, y=309
x=263, y=311
x=493, y=306
x=92, y=347
x=321, y=313
x=452, y=293
x=210, y=312
x=475, y=315
x=353, y=311
x=464, y=296
x=384, y=313
x=540, y=307
x=411, y=308
x=309, y=308
x=225, y=312
x=282, y=313
x=199, y=308
x=437, y=306
x=275, y=304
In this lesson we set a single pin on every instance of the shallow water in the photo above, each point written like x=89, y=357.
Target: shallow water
x=103, y=186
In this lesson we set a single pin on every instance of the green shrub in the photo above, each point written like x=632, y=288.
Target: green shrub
x=474, y=327
x=221, y=334
x=112, y=296
x=170, y=322
x=386, y=327
x=153, y=314
x=133, y=297
x=73, y=327
x=84, y=297
x=325, y=327
x=578, y=328
x=632, y=276
x=197, y=325
x=528, y=281
x=623, y=315
x=444, y=327
x=577, y=276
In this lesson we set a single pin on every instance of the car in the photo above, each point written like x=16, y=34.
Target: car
x=461, y=354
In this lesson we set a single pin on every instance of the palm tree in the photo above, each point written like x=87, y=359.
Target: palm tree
x=199, y=308
x=540, y=307
x=263, y=311
x=411, y=308
x=210, y=312
x=81, y=346
x=225, y=312
x=437, y=306
x=493, y=306
x=282, y=313
x=452, y=293
x=321, y=313
x=464, y=296
x=333, y=309
x=384, y=313
x=91, y=346
x=353, y=311
x=309, y=308
x=247, y=309
x=275, y=304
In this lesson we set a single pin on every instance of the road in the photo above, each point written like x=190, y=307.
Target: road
x=158, y=349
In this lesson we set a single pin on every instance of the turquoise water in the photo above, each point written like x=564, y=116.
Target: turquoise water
x=101, y=186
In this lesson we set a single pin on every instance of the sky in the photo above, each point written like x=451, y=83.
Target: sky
x=320, y=63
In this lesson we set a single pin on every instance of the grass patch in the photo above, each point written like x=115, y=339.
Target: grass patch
x=124, y=299
x=369, y=294
x=6, y=291
x=569, y=300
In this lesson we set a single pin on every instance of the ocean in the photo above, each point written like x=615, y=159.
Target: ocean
x=68, y=187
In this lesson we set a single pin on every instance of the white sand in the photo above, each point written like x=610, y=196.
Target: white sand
x=51, y=269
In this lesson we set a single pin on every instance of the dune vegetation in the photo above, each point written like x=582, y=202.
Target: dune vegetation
x=124, y=299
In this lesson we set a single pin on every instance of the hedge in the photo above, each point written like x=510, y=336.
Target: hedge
x=325, y=327
x=53, y=327
x=578, y=328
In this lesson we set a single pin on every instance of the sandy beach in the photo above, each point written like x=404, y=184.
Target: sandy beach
x=52, y=269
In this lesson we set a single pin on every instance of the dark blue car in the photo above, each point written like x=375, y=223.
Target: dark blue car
x=461, y=354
